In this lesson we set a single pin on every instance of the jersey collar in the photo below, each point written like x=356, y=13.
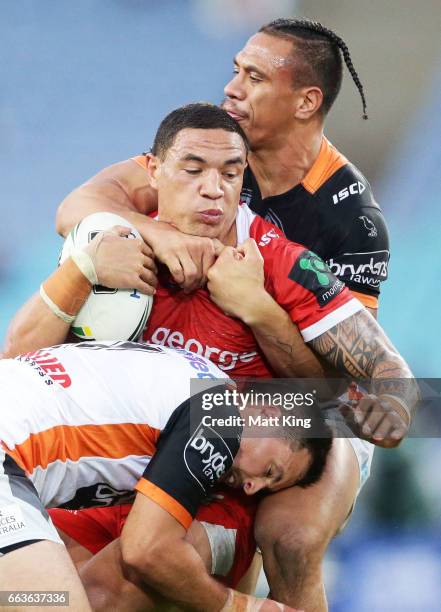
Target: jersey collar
x=327, y=163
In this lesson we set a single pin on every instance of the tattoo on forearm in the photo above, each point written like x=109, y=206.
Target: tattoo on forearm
x=359, y=348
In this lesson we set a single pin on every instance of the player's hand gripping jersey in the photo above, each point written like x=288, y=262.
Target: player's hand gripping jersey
x=89, y=423
x=333, y=212
x=296, y=278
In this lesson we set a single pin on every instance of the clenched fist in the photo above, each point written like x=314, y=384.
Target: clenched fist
x=236, y=280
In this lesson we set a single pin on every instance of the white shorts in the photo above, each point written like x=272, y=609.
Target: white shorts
x=364, y=451
x=23, y=518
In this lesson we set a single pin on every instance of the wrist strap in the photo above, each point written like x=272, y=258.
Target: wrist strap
x=85, y=264
x=404, y=409
x=239, y=602
x=66, y=290
x=54, y=308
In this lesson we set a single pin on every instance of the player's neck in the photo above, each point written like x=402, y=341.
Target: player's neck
x=283, y=164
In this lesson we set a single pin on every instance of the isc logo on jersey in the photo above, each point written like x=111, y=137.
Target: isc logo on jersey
x=344, y=193
x=206, y=456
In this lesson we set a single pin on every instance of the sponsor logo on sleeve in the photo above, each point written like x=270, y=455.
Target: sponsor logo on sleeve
x=369, y=225
x=344, y=193
x=207, y=456
x=313, y=274
x=368, y=269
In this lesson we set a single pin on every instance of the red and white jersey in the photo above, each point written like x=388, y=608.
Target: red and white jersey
x=83, y=420
x=296, y=278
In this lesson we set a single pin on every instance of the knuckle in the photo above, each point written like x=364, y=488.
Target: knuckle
x=175, y=270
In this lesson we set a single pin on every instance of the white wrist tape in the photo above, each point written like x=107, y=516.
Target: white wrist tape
x=54, y=308
x=394, y=398
x=247, y=603
x=84, y=261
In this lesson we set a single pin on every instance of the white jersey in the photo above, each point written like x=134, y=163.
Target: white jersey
x=76, y=416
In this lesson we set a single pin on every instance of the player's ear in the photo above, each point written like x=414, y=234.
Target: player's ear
x=153, y=169
x=308, y=101
x=271, y=411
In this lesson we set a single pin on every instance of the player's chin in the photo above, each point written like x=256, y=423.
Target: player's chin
x=205, y=230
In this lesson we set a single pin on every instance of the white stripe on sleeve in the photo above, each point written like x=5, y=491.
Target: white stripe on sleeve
x=331, y=319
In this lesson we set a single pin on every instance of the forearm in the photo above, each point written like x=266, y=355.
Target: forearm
x=35, y=325
x=85, y=201
x=179, y=576
x=359, y=348
x=281, y=341
x=122, y=188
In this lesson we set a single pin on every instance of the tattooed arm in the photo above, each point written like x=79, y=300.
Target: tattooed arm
x=359, y=348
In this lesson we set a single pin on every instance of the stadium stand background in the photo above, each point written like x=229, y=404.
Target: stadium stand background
x=85, y=84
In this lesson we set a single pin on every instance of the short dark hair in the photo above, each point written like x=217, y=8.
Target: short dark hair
x=319, y=449
x=200, y=115
x=317, y=57
x=318, y=442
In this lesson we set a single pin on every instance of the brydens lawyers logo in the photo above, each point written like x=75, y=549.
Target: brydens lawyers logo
x=365, y=268
x=207, y=456
x=313, y=274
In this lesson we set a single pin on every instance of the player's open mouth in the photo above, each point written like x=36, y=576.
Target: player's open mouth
x=212, y=216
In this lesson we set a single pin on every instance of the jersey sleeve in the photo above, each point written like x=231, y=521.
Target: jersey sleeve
x=357, y=239
x=305, y=287
x=190, y=458
x=362, y=258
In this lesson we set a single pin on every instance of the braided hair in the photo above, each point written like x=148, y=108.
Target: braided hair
x=317, y=57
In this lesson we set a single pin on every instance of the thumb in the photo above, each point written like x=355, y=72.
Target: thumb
x=227, y=252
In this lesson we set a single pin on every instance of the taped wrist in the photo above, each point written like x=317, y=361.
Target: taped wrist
x=66, y=290
x=85, y=264
x=398, y=405
x=238, y=602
